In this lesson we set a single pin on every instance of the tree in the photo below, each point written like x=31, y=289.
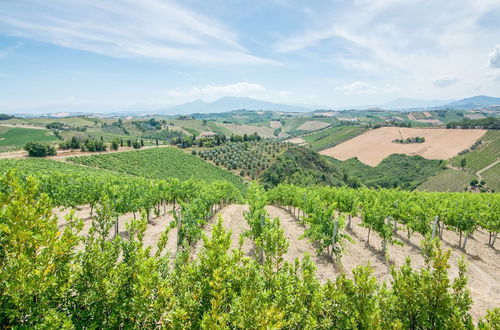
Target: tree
x=36, y=149
x=136, y=144
x=129, y=143
x=115, y=144
x=463, y=162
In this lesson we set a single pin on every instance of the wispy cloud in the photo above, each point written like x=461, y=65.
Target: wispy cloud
x=361, y=87
x=495, y=57
x=9, y=50
x=239, y=88
x=127, y=28
x=445, y=81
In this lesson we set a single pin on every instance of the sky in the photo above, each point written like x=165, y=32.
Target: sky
x=151, y=53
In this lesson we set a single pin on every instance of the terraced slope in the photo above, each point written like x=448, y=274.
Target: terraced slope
x=487, y=152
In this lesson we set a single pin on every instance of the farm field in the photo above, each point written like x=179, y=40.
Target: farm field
x=492, y=177
x=16, y=137
x=159, y=163
x=265, y=132
x=487, y=152
x=332, y=136
x=372, y=147
x=312, y=125
x=448, y=180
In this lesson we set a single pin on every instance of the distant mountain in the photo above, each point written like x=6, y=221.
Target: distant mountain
x=474, y=102
x=229, y=103
x=404, y=103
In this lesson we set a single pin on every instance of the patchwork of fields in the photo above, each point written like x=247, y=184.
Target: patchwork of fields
x=372, y=147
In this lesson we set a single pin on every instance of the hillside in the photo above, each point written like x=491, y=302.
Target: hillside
x=159, y=163
x=332, y=136
x=486, y=152
x=395, y=171
x=16, y=137
x=301, y=166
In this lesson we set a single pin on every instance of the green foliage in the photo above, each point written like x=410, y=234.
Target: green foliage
x=484, y=154
x=160, y=163
x=303, y=167
x=251, y=158
x=395, y=171
x=486, y=123
x=117, y=283
x=332, y=136
x=36, y=149
x=447, y=180
x=17, y=137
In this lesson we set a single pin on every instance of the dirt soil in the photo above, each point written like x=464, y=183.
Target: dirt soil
x=375, y=145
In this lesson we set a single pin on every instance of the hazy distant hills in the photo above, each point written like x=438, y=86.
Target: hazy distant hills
x=229, y=103
x=474, y=102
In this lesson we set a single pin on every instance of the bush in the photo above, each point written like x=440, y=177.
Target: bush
x=136, y=144
x=115, y=144
x=36, y=149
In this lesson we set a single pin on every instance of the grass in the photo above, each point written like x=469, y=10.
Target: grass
x=160, y=163
x=16, y=137
x=46, y=166
x=484, y=155
x=492, y=177
x=406, y=172
x=332, y=136
x=73, y=121
x=292, y=124
x=447, y=180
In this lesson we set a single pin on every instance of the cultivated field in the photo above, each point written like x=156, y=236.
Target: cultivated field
x=332, y=136
x=448, y=180
x=312, y=125
x=492, y=177
x=486, y=153
x=16, y=137
x=266, y=132
x=372, y=147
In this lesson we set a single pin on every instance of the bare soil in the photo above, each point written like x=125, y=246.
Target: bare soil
x=375, y=145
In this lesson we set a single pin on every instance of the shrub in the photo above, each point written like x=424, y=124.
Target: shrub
x=36, y=149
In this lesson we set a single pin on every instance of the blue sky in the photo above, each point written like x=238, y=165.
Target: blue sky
x=331, y=53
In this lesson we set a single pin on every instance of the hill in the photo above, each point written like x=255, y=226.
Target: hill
x=16, y=137
x=159, y=163
x=301, y=166
x=474, y=102
x=395, y=171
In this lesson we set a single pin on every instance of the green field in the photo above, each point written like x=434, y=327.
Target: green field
x=332, y=136
x=292, y=124
x=16, y=137
x=46, y=166
x=447, y=180
x=487, y=153
x=160, y=163
x=72, y=121
x=492, y=177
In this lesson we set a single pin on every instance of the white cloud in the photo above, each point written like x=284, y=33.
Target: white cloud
x=126, y=28
x=445, y=81
x=361, y=87
x=495, y=57
x=239, y=88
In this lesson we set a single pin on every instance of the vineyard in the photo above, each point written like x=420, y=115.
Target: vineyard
x=182, y=284
x=332, y=136
x=249, y=159
x=159, y=163
x=484, y=154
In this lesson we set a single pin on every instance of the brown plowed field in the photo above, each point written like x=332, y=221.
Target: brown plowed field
x=375, y=145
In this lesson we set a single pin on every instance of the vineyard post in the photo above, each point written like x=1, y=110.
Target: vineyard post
x=494, y=239
x=434, y=227
x=349, y=217
x=116, y=227
x=334, y=234
x=179, y=214
x=395, y=224
x=384, y=242
x=465, y=240
x=261, y=252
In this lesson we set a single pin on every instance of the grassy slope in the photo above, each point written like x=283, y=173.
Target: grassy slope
x=447, y=180
x=402, y=171
x=160, y=163
x=484, y=155
x=16, y=137
x=74, y=121
x=332, y=136
x=47, y=166
x=492, y=177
